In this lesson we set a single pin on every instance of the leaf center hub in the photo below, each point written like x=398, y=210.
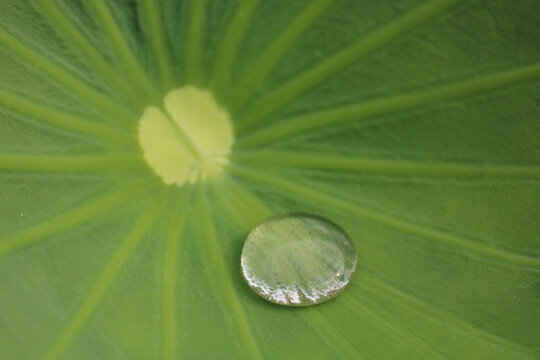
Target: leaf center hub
x=189, y=138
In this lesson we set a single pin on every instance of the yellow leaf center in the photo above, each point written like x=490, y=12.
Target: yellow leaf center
x=190, y=140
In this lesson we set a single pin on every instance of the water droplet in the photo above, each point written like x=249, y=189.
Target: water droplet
x=298, y=259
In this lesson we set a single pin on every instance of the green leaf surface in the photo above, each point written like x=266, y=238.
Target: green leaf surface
x=411, y=124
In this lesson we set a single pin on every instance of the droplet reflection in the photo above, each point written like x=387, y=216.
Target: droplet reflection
x=298, y=260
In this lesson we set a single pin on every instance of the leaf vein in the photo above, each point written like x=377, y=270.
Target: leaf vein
x=438, y=314
x=295, y=125
x=278, y=158
x=195, y=41
x=224, y=281
x=132, y=65
x=311, y=77
x=158, y=41
x=80, y=88
x=71, y=218
x=268, y=59
x=502, y=255
x=228, y=49
x=104, y=281
x=64, y=120
x=170, y=274
x=66, y=164
x=66, y=28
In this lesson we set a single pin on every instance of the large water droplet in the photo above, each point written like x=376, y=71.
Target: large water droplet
x=298, y=260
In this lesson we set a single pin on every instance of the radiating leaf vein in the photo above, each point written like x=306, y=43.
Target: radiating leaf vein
x=66, y=121
x=311, y=77
x=72, y=164
x=268, y=59
x=365, y=279
x=104, y=281
x=158, y=40
x=170, y=274
x=195, y=41
x=389, y=327
x=125, y=54
x=223, y=280
x=504, y=256
x=340, y=344
x=93, y=97
x=110, y=75
x=228, y=49
x=279, y=130
x=243, y=207
x=280, y=158
x=72, y=217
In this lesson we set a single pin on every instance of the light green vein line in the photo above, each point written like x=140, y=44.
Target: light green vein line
x=296, y=125
x=254, y=210
x=71, y=218
x=243, y=207
x=266, y=61
x=264, y=158
x=77, y=86
x=339, y=343
x=66, y=28
x=99, y=163
x=223, y=280
x=308, y=79
x=446, y=318
x=319, y=197
x=104, y=281
x=170, y=275
x=131, y=63
x=195, y=41
x=328, y=340
x=228, y=49
x=393, y=329
x=63, y=120
x=158, y=41
x=232, y=209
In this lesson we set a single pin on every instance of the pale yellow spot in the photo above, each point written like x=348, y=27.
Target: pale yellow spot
x=190, y=141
